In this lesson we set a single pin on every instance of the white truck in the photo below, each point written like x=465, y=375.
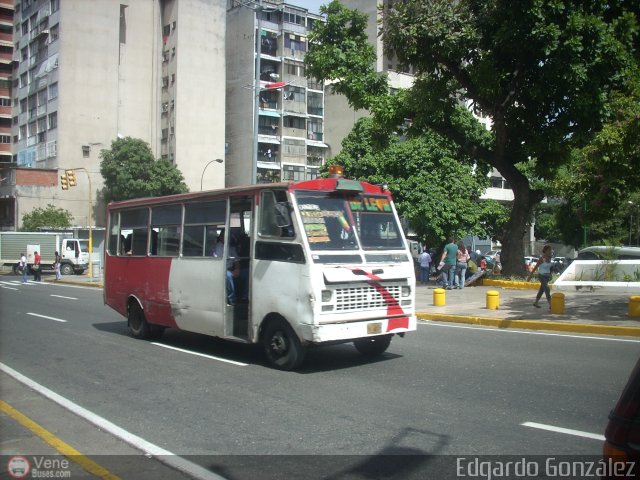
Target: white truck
x=73, y=251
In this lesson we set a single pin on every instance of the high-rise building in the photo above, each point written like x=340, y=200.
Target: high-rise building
x=287, y=108
x=6, y=66
x=87, y=72
x=341, y=117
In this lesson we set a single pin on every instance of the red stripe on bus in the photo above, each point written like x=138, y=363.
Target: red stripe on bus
x=393, y=307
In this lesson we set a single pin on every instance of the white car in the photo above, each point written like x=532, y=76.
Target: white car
x=492, y=253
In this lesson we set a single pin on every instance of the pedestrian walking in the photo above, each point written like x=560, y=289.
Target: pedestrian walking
x=56, y=266
x=543, y=266
x=449, y=258
x=425, y=266
x=24, y=267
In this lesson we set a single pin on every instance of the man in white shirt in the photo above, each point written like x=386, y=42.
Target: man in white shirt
x=425, y=266
x=24, y=266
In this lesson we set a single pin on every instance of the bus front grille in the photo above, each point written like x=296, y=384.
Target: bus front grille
x=365, y=298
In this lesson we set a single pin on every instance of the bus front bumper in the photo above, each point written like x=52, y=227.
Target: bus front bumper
x=333, y=332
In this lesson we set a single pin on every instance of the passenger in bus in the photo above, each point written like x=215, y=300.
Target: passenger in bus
x=233, y=268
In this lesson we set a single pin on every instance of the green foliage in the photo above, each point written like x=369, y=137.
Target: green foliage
x=543, y=71
x=436, y=192
x=50, y=217
x=130, y=171
x=342, y=52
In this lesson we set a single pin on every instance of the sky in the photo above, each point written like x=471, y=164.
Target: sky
x=312, y=5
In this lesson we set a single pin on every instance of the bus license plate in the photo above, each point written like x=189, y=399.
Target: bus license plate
x=374, y=328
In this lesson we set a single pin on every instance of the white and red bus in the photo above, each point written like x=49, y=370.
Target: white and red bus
x=310, y=263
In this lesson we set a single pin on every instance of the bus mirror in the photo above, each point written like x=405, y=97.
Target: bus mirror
x=283, y=217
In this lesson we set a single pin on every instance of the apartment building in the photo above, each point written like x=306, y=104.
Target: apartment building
x=286, y=107
x=88, y=72
x=6, y=65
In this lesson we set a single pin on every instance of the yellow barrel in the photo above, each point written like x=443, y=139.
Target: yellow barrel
x=557, y=303
x=634, y=306
x=493, y=300
x=438, y=297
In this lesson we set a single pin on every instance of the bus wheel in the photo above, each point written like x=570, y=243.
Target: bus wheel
x=373, y=345
x=138, y=325
x=282, y=346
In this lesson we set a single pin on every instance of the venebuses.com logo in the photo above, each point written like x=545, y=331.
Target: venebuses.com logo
x=20, y=466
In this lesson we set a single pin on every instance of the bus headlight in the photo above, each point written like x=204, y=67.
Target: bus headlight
x=406, y=290
x=326, y=295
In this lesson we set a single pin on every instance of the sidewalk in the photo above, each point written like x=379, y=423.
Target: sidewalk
x=594, y=312
x=604, y=313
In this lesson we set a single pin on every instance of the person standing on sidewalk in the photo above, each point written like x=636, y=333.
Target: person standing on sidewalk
x=449, y=257
x=37, y=274
x=462, y=258
x=543, y=266
x=425, y=266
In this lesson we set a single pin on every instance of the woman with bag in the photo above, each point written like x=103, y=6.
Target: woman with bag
x=461, y=264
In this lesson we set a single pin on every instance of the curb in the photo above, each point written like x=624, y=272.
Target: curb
x=533, y=324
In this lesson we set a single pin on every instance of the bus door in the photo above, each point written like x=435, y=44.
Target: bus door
x=238, y=275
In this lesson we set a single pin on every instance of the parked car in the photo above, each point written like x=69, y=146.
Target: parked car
x=530, y=262
x=560, y=263
x=609, y=253
x=622, y=435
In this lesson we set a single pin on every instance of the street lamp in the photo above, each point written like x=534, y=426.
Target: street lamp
x=218, y=160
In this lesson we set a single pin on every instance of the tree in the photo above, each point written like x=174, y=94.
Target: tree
x=543, y=71
x=50, y=217
x=130, y=171
x=438, y=194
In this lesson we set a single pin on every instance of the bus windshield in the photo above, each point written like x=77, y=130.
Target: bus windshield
x=348, y=221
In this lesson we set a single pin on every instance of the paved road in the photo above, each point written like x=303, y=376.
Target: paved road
x=446, y=389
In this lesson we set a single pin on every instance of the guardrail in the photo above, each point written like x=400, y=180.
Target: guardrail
x=612, y=275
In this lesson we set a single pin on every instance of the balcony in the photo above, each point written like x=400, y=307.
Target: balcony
x=41, y=30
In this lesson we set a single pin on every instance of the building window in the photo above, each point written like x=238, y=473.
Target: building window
x=53, y=91
x=5, y=102
x=25, y=27
x=25, y=54
x=296, y=43
x=291, y=172
x=55, y=5
x=22, y=134
x=54, y=32
x=294, y=122
x=24, y=80
x=5, y=138
x=53, y=120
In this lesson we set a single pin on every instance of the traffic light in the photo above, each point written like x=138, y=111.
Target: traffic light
x=64, y=182
x=71, y=176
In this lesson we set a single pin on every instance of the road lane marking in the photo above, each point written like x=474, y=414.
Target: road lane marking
x=567, y=431
x=523, y=332
x=8, y=288
x=48, y=318
x=200, y=354
x=62, y=296
x=64, y=448
x=148, y=448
